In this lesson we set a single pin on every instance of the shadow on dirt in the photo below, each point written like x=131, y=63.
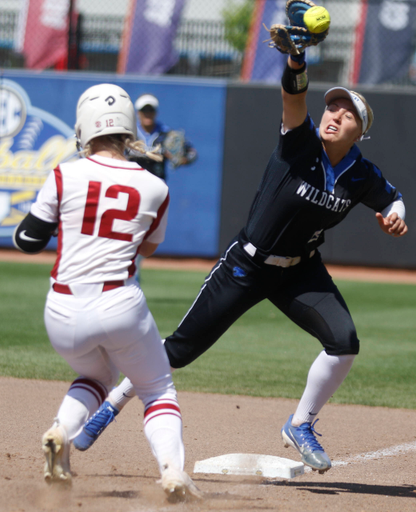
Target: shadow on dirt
x=118, y=494
x=403, y=491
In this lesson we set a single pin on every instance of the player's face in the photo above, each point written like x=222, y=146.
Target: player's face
x=147, y=117
x=340, y=123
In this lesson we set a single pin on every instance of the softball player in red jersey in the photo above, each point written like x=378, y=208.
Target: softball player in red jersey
x=106, y=210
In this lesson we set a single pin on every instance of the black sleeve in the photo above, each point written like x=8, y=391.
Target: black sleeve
x=381, y=193
x=299, y=142
x=33, y=234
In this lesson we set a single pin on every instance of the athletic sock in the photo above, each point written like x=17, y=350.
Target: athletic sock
x=82, y=400
x=72, y=415
x=325, y=376
x=123, y=393
x=163, y=430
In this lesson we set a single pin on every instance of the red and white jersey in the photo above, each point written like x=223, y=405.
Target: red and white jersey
x=105, y=209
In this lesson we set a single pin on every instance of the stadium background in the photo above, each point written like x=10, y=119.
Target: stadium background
x=218, y=83
x=233, y=123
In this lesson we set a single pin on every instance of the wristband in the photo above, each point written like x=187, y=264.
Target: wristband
x=295, y=81
x=300, y=59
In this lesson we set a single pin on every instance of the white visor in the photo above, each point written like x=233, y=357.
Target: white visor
x=146, y=99
x=341, y=92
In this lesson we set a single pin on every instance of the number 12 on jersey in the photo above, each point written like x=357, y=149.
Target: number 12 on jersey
x=107, y=218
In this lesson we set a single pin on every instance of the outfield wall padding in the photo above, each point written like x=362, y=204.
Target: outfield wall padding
x=253, y=114
x=234, y=127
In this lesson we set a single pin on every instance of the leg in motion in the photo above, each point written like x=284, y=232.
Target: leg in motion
x=163, y=430
x=224, y=299
x=83, y=397
x=229, y=291
x=106, y=413
x=317, y=306
x=143, y=360
x=325, y=376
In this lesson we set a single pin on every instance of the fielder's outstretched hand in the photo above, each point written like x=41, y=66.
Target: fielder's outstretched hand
x=392, y=225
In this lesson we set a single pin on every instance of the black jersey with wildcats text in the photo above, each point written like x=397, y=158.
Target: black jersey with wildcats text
x=301, y=194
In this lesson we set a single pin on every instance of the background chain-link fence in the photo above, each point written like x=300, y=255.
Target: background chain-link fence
x=210, y=40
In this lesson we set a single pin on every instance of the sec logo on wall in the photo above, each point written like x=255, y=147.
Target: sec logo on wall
x=32, y=143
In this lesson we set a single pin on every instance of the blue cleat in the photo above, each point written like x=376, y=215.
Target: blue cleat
x=303, y=440
x=94, y=426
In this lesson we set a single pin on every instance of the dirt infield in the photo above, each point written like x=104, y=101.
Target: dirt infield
x=373, y=449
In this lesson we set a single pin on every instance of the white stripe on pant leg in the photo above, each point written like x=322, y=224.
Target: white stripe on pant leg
x=206, y=281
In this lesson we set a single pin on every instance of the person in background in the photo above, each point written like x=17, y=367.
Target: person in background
x=154, y=134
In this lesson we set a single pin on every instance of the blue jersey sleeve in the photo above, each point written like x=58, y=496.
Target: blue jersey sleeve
x=380, y=192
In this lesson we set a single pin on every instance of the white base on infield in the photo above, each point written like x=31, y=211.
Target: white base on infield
x=250, y=464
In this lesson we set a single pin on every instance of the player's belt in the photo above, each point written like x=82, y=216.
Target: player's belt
x=278, y=261
x=282, y=261
x=108, y=285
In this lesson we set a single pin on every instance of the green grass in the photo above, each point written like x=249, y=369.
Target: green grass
x=263, y=354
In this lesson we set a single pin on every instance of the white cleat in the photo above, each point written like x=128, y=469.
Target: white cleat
x=178, y=486
x=56, y=447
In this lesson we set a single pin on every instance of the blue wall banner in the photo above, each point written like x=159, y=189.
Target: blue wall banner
x=32, y=142
x=37, y=116
x=154, y=21
x=383, y=46
x=262, y=63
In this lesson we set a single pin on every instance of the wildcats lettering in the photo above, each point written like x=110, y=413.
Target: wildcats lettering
x=322, y=198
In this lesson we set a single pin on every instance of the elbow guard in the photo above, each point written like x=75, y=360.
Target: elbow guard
x=295, y=81
x=33, y=234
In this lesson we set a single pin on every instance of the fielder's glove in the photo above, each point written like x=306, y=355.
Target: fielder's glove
x=295, y=38
x=295, y=9
x=174, y=147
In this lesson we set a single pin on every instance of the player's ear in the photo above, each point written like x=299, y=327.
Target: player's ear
x=359, y=137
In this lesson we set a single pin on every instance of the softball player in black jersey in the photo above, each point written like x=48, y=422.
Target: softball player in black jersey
x=314, y=177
